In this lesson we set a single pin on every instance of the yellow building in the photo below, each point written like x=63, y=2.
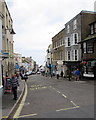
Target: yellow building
x=7, y=41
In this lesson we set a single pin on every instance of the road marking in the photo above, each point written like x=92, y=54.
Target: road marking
x=22, y=103
x=67, y=109
x=38, y=88
x=4, y=117
x=58, y=91
x=64, y=95
x=73, y=103
x=29, y=115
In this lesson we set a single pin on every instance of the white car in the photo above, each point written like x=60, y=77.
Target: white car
x=29, y=73
x=38, y=72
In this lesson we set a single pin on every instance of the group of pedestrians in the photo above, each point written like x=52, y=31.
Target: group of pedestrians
x=76, y=73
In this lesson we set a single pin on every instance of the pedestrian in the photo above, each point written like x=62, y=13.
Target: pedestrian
x=61, y=73
x=25, y=77
x=14, y=84
x=77, y=73
x=57, y=74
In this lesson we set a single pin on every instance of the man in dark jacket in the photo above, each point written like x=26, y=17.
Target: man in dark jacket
x=15, y=84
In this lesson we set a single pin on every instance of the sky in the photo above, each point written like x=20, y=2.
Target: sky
x=37, y=21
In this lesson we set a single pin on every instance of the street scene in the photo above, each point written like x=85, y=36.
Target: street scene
x=47, y=59
x=53, y=98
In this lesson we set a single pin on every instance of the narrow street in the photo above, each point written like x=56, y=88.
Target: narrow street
x=52, y=98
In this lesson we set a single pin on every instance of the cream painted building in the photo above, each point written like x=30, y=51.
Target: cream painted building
x=1, y=18
x=58, y=52
x=7, y=40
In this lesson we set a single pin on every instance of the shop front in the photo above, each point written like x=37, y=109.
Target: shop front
x=89, y=68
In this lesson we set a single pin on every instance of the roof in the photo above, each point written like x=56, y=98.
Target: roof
x=90, y=37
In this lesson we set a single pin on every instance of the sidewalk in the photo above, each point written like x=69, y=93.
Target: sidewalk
x=87, y=80
x=8, y=102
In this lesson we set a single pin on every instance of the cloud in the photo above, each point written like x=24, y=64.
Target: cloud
x=37, y=21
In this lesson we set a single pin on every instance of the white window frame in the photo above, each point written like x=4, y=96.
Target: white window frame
x=95, y=27
x=92, y=29
x=74, y=38
x=68, y=52
x=68, y=28
x=75, y=55
x=74, y=24
x=69, y=41
x=84, y=47
x=66, y=41
x=72, y=55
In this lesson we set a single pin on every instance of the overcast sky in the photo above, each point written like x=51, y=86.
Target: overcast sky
x=37, y=21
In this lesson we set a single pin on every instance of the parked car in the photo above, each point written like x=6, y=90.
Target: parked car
x=38, y=72
x=29, y=73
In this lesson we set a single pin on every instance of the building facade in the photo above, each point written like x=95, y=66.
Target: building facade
x=7, y=41
x=17, y=61
x=76, y=30
x=1, y=18
x=89, y=52
x=58, y=44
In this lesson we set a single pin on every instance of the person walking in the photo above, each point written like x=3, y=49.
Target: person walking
x=57, y=73
x=77, y=73
x=61, y=73
x=14, y=84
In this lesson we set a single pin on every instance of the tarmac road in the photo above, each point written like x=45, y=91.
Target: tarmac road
x=51, y=98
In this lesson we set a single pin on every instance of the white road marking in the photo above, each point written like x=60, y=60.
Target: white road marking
x=29, y=115
x=67, y=109
x=73, y=103
x=64, y=95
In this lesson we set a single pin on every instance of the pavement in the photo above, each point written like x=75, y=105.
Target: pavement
x=8, y=104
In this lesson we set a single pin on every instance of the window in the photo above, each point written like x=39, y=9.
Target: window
x=72, y=54
x=74, y=24
x=75, y=38
x=95, y=27
x=68, y=55
x=84, y=47
x=68, y=41
x=89, y=47
x=68, y=28
x=92, y=29
x=75, y=54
